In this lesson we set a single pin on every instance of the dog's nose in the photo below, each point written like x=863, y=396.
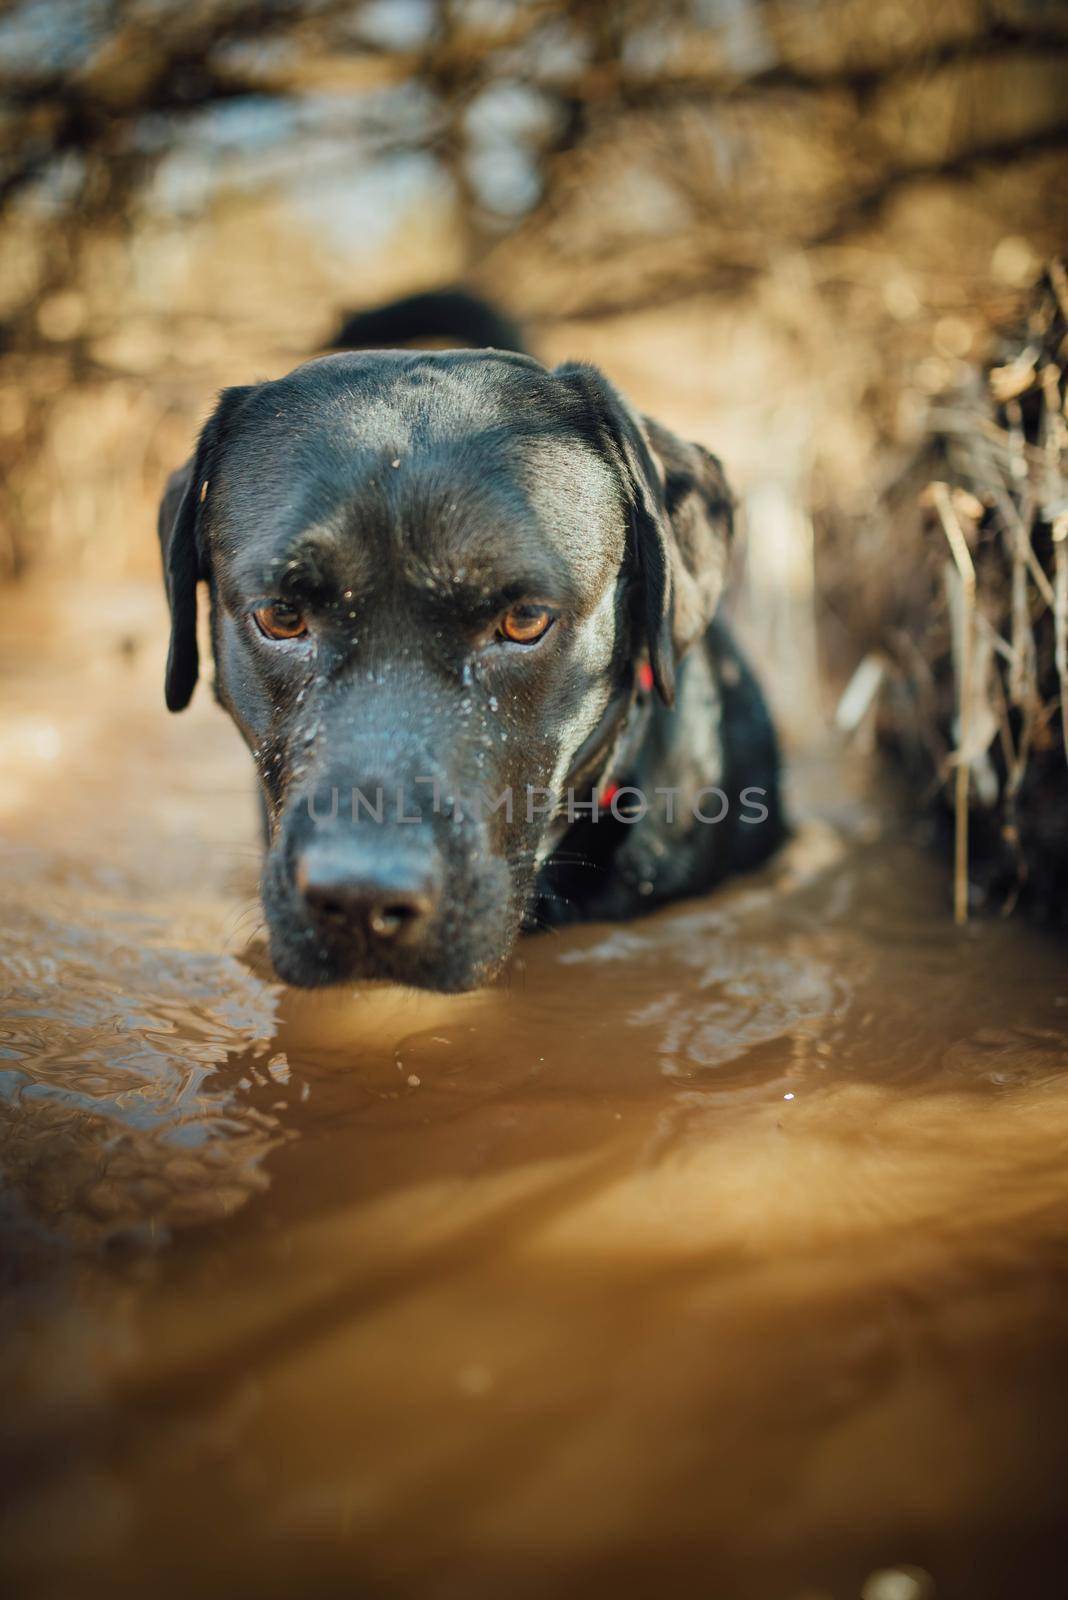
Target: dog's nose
x=388, y=899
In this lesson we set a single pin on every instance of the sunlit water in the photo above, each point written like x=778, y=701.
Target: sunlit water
x=722, y=1254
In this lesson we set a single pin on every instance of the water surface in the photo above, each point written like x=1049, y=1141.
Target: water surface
x=724, y=1253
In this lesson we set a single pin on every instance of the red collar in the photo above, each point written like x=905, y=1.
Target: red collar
x=611, y=746
x=610, y=785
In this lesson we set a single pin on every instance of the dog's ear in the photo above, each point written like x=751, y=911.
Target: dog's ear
x=681, y=516
x=181, y=545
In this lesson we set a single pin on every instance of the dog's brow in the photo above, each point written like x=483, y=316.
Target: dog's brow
x=474, y=571
x=479, y=592
x=312, y=563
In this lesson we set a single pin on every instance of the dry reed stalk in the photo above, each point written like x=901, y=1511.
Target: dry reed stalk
x=1056, y=438
x=1060, y=616
x=943, y=503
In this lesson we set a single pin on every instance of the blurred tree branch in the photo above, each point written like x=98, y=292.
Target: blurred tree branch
x=631, y=152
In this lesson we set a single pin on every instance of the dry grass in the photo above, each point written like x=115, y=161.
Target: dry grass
x=977, y=634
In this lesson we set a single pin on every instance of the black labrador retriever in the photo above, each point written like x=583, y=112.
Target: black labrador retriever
x=463, y=613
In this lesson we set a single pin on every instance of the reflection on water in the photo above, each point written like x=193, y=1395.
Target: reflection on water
x=724, y=1253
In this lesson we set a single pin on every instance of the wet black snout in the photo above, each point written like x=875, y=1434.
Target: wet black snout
x=380, y=896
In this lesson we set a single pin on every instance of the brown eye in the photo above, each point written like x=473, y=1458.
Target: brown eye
x=525, y=624
x=280, y=621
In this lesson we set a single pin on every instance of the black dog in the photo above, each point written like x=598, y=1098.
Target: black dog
x=457, y=602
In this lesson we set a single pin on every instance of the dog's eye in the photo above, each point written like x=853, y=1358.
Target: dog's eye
x=279, y=620
x=525, y=624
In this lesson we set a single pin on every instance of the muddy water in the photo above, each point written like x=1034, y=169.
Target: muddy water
x=721, y=1254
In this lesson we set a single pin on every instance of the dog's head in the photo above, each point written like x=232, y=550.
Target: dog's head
x=431, y=580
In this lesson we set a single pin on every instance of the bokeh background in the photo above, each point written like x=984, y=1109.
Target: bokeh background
x=782, y=226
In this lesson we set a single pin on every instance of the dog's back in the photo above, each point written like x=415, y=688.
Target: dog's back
x=453, y=316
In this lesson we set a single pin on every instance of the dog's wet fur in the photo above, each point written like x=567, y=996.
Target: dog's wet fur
x=403, y=500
